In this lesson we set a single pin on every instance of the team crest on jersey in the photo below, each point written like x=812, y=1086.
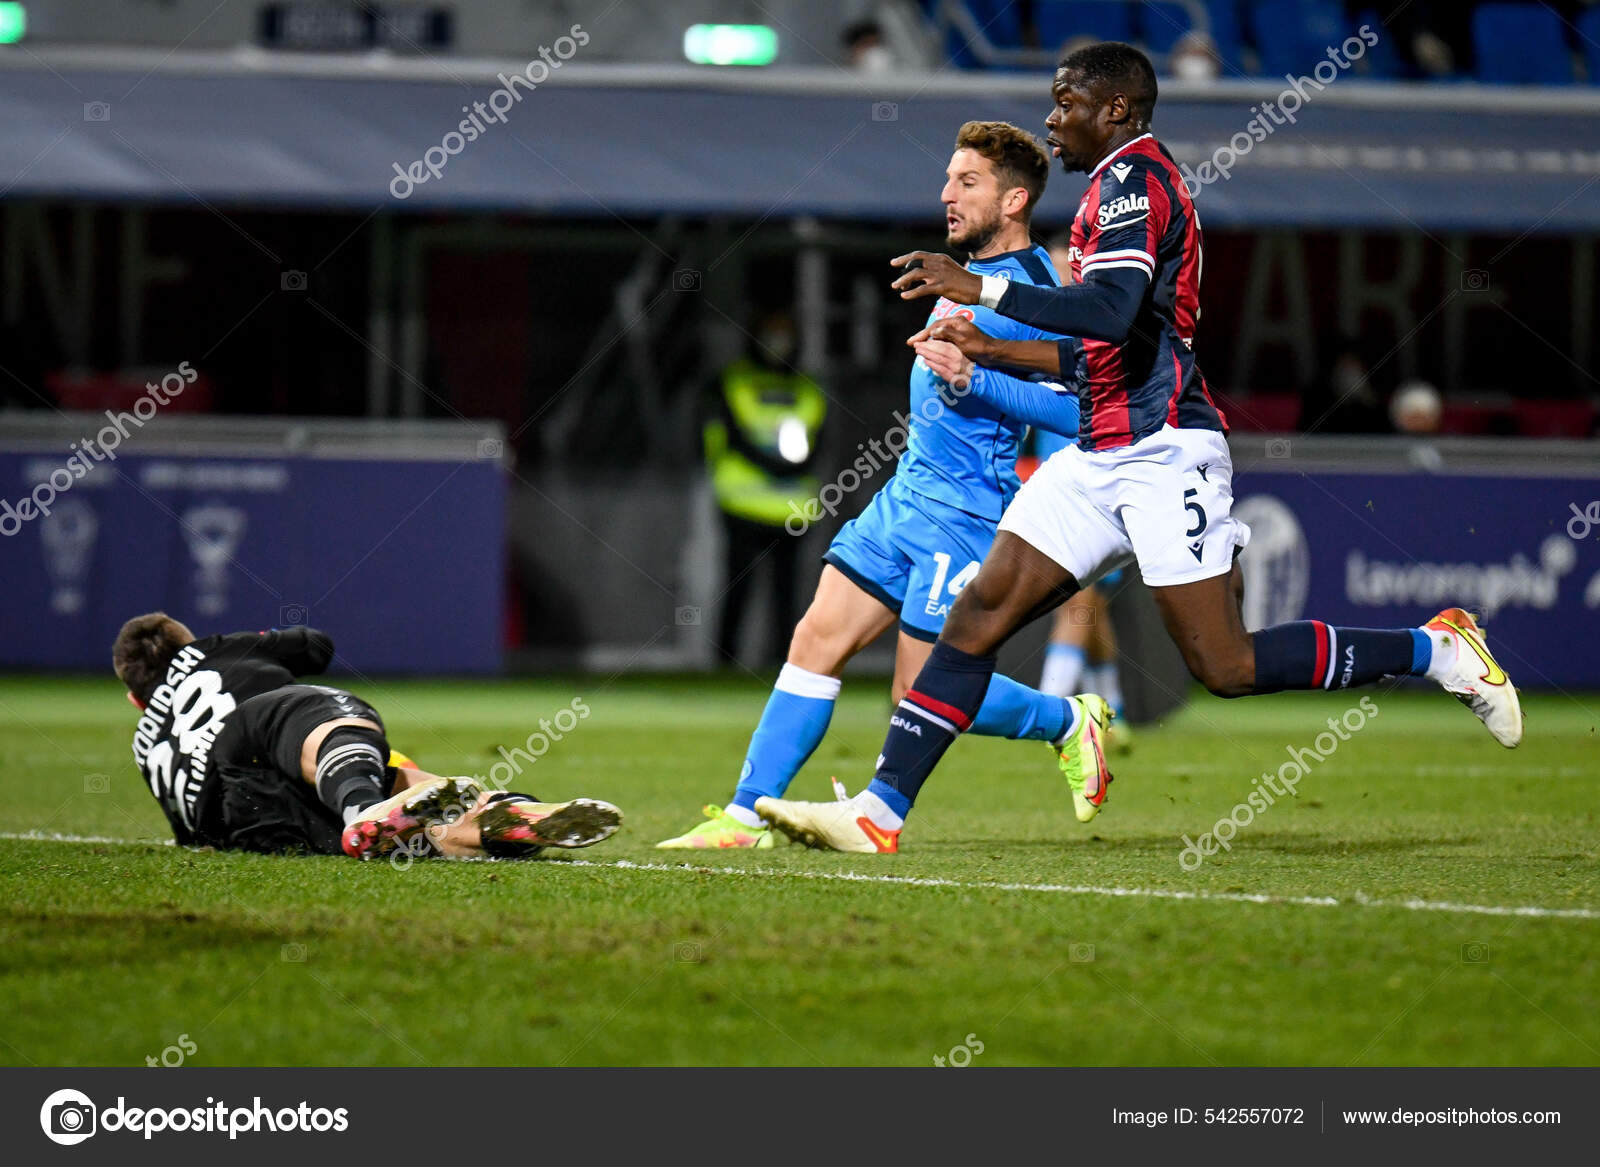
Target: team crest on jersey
x=1125, y=205
x=943, y=308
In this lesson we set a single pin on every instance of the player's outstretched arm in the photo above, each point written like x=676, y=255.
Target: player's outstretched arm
x=1103, y=307
x=1032, y=356
x=303, y=651
x=1047, y=404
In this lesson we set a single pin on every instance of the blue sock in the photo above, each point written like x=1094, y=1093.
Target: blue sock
x=1013, y=710
x=1309, y=654
x=791, y=728
x=937, y=708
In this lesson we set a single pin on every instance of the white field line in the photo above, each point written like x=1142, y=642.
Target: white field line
x=1154, y=893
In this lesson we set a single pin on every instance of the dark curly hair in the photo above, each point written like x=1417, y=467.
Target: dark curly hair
x=1113, y=67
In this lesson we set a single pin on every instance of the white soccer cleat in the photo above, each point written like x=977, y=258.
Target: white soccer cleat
x=1477, y=680
x=828, y=826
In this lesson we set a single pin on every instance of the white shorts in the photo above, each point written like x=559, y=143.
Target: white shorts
x=1164, y=502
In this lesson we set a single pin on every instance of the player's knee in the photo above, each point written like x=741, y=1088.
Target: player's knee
x=1224, y=674
x=818, y=645
x=976, y=623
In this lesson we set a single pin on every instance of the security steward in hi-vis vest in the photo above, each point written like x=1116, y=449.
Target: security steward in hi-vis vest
x=760, y=446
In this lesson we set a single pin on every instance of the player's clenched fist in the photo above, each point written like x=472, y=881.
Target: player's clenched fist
x=931, y=273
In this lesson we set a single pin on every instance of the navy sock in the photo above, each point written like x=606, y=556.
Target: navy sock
x=939, y=706
x=1309, y=654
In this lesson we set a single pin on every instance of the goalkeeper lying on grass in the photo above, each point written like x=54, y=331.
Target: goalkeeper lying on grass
x=242, y=758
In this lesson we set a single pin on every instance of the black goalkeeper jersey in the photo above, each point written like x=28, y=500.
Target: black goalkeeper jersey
x=206, y=681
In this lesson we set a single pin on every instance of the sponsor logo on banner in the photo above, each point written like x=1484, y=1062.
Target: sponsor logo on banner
x=213, y=533
x=68, y=534
x=1277, y=567
x=1485, y=588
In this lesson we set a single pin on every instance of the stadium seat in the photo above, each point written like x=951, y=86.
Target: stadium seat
x=1058, y=21
x=1381, y=62
x=1553, y=418
x=1001, y=23
x=1292, y=38
x=1589, y=38
x=1161, y=24
x=1520, y=44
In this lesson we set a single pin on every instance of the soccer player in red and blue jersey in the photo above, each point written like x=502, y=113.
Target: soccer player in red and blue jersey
x=1149, y=481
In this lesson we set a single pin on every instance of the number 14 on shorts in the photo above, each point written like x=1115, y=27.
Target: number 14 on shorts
x=938, y=597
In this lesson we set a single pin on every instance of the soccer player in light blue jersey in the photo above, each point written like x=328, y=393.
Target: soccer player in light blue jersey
x=923, y=536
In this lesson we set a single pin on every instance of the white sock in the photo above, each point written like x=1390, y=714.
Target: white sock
x=878, y=811
x=1444, y=653
x=1063, y=669
x=1104, y=679
x=748, y=817
x=1075, y=710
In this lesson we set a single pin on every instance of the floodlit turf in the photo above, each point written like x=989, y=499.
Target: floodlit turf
x=110, y=954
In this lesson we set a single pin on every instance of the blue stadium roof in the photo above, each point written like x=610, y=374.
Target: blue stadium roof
x=597, y=141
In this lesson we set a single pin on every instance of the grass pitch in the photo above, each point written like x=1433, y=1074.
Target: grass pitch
x=1365, y=922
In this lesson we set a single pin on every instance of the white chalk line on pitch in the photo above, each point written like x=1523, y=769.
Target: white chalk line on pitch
x=1154, y=893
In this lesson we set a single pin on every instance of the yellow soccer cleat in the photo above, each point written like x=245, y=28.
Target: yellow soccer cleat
x=1082, y=757
x=721, y=832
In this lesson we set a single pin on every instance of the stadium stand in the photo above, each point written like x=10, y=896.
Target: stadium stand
x=1521, y=44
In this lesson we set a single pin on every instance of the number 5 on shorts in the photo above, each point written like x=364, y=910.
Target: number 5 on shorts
x=1199, y=512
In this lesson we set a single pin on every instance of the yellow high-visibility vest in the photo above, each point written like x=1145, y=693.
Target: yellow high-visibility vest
x=779, y=414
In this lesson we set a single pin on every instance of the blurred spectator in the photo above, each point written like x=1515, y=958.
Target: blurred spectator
x=1416, y=409
x=1344, y=400
x=1060, y=248
x=1194, y=58
x=761, y=449
x=864, y=48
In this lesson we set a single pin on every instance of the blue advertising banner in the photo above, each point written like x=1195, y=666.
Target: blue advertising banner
x=1390, y=550
x=401, y=562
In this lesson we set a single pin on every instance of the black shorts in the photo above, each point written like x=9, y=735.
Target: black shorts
x=259, y=800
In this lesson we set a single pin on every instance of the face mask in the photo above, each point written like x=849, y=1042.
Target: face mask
x=877, y=59
x=1194, y=67
x=778, y=345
